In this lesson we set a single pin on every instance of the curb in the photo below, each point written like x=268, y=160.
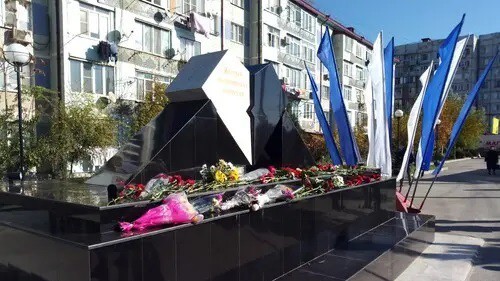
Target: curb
x=461, y=159
x=430, y=171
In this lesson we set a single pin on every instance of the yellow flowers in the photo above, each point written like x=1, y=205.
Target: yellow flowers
x=234, y=175
x=222, y=172
x=220, y=176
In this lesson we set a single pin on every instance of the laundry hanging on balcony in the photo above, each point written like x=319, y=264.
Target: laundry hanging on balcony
x=107, y=51
x=199, y=23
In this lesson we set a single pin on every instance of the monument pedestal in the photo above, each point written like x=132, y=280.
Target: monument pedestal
x=286, y=240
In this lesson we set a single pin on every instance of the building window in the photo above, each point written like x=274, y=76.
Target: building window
x=239, y=3
x=293, y=76
x=272, y=5
x=275, y=65
x=308, y=53
x=348, y=69
x=295, y=14
x=157, y=2
x=308, y=22
x=359, y=51
x=273, y=37
x=145, y=83
x=189, y=48
x=325, y=92
x=293, y=47
x=189, y=6
x=152, y=39
x=360, y=73
x=308, y=111
x=359, y=96
x=91, y=78
x=349, y=44
x=8, y=77
x=94, y=22
x=347, y=93
x=237, y=32
x=424, y=57
x=295, y=109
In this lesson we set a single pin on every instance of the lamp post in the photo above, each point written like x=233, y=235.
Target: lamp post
x=18, y=56
x=398, y=114
x=437, y=140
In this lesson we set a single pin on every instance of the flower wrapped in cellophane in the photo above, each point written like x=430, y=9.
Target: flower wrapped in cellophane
x=220, y=173
x=279, y=192
x=175, y=209
x=243, y=197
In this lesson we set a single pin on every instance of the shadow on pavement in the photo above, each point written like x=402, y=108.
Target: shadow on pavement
x=488, y=256
x=471, y=177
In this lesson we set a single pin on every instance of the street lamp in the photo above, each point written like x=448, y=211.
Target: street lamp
x=398, y=114
x=18, y=56
x=437, y=139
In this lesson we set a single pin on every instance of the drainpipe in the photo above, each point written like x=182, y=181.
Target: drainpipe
x=59, y=50
x=222, y=25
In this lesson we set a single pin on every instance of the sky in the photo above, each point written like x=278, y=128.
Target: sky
x=411, y=20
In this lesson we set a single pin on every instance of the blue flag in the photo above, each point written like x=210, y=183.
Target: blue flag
x=389, y=77
x=434, y=93
x=325, y=127
x=457, y=127
x=347, y=142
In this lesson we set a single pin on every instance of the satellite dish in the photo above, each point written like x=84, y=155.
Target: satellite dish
x=158, y=17
x=170, y=53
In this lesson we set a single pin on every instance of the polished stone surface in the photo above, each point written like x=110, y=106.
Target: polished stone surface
x=244, y=245
x=382, y=253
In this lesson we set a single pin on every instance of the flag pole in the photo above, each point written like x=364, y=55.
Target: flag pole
x=428, y=191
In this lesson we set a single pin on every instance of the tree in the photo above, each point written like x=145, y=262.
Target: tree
x=9, y=133
x=153, y=104
x=77, y=131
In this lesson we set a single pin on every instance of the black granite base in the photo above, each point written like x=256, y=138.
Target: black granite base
x=382, y=253
x=243, y=245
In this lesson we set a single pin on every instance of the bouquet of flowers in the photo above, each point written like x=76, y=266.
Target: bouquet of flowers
x=175, y=209
x=243, y=197
x=221, y=172
x=276, y=193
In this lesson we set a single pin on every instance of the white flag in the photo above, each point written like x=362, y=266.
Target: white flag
x=370, y=130
x=381, y=149
x=457, y=55
x=413, y=121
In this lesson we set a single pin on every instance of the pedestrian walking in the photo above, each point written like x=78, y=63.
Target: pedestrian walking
x=491, y=160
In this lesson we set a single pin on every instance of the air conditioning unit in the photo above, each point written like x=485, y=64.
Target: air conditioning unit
x=285, y=41
x=22, y=36
x=284, y=80
x=10, y=19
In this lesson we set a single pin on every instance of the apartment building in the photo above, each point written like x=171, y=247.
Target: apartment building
x=413, y=59
x=116, y=49
x=16, y=26
x=287, y=34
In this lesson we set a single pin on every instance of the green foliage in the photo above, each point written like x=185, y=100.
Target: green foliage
x=76, y=132
x=153, y=104
x=72, y=133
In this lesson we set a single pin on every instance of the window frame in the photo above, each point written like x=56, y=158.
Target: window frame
x=239, y=35
x=273, y=36
x=308, y=113
x=238, y=3
x=347, y=93
x=153, y=41
x=101, y=14
x=196, y=46
x=107, y=84
x=155, y=78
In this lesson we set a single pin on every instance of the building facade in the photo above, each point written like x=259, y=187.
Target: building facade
x=117, y=49
x=287, y=34
x=413, y=59
x=16, y=26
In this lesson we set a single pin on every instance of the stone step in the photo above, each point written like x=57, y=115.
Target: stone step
x=449, y=258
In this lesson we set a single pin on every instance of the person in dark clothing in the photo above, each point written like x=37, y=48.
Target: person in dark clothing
x=491, y=160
